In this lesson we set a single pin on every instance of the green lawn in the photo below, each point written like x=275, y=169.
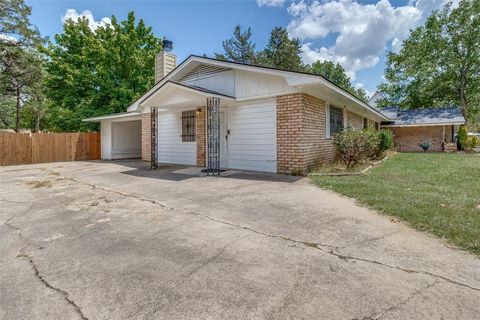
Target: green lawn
x=436, y=192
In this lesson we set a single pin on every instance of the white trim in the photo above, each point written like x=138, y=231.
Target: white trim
x=186, y=88
x=327, y=120
x=127, y=116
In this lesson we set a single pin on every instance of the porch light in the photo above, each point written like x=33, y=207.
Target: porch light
x=199, y=110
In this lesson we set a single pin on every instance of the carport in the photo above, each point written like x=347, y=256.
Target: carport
x=121, y=135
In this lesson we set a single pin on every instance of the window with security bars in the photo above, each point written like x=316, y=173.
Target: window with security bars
x=336, y=120
x=188, y=126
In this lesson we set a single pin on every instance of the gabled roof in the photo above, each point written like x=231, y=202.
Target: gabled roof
x=294, y=78
x=424, y=116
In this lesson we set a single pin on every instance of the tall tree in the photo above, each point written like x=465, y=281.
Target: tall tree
x=336, y=73
x=20, y=64
x=239, y=48
x=101, y=71
x=282, y=52
x=439, y=64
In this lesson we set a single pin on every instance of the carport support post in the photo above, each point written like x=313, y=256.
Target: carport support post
x=153, y=138
x=213, y=136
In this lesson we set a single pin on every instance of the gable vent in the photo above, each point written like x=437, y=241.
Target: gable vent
x=202, y=71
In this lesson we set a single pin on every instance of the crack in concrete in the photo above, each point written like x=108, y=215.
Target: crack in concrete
x=209, y=260
x=410, y=297
x=314, y=245
x=369, y=240
x=65, y=294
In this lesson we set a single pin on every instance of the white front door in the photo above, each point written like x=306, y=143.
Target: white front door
x=223, y=138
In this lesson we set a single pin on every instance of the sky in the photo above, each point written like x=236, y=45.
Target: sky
x=356, y=34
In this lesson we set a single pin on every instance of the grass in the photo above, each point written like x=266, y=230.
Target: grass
x=434, y=192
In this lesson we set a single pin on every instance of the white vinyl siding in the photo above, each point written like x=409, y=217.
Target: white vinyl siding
x=252, y=143
x=171, y=149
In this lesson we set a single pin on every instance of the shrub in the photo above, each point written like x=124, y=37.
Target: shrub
x=462, y=137
x=386, y=140
x=425, y=146
x=470, y=143
x=354, y=146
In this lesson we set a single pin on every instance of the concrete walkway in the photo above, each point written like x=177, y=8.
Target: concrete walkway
x=113, y=240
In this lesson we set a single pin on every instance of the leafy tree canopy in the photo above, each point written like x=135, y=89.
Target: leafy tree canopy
x=439, y=64
x=20, y=62
x=336, y=73
x=97, y=72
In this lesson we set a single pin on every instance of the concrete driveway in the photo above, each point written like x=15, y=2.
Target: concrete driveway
x=113, y=240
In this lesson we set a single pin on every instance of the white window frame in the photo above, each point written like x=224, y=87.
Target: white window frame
x=327, y=121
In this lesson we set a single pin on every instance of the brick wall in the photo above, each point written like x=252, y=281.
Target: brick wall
x=354, y=120
x=408, y=139
x=146, y=141
x=200, y=127
x=290, y=109
x=301, y=136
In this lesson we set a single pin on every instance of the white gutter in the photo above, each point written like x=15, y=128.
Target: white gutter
x=116, y=116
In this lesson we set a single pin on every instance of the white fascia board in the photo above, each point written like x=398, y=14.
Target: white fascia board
x=184, y=88
x=117, y=116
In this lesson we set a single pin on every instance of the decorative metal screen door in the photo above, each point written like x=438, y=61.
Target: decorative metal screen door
x=153, y=138
x=213, y=136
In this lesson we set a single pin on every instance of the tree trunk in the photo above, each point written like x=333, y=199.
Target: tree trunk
x=17, y=115
x=463, y=98
x=37, y=122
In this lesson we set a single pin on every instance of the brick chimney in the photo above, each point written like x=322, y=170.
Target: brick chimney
x=165, y=61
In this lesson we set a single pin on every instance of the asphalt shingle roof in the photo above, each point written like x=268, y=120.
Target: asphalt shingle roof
x=423, y=116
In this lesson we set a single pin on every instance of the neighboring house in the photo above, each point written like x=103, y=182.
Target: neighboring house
x=412, y=127
x=208, y=112
x=377, y=96
x=437, y=126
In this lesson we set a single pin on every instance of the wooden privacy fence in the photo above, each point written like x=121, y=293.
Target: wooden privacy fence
x=26, y=148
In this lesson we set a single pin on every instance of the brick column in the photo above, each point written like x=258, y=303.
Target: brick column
x=146, y=137
x=290, y=109
x=201, y=130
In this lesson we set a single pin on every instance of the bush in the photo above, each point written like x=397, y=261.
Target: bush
x=386, y=141
x=470, y=143
x=462, y=137
x=354, y=146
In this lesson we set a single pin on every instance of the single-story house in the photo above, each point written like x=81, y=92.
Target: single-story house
x=218, y=114
x=412, y=127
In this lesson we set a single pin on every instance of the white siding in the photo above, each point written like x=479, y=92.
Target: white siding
x=106, y=140
x=222, y=81
x=252, y=143
x=252, y=84
x=171, y=149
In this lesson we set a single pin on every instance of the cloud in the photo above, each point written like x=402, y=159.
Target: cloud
x=362, y=31
x=270, y=3
x=7, y=39
x=74, y=15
